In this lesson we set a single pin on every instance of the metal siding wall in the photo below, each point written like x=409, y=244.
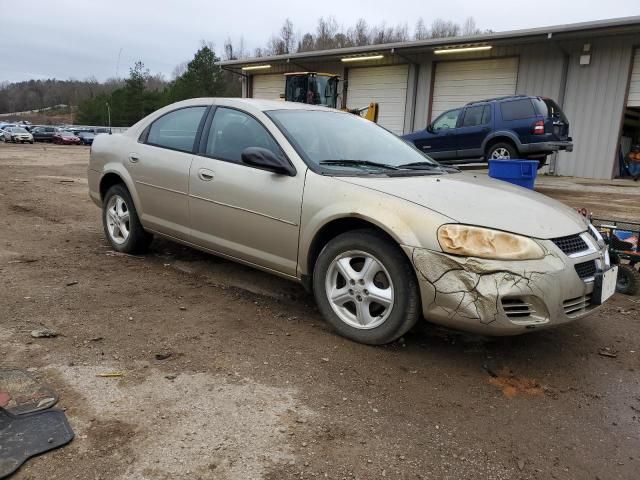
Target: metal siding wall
x=422, y=96
x=634, y=85
x=540, y=71
x=594, y=103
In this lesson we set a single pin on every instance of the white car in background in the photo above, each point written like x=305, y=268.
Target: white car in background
x=16, y=134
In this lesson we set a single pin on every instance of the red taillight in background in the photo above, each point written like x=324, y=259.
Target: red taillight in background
x=538, y=128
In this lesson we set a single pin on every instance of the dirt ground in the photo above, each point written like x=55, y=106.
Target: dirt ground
x=255, y=386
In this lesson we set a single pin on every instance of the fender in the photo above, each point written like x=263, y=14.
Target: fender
x=502, y=134
x=406, y=223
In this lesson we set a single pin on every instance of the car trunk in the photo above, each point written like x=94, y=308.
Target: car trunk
x=555, y=120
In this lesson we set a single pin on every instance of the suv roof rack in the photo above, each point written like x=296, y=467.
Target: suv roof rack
x=497, y=98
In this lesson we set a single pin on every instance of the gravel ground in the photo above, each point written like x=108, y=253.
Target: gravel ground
x=229, y=373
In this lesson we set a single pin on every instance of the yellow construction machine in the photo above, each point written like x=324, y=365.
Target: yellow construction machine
x=317, y=88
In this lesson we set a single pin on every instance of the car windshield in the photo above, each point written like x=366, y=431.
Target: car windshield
x=332, y=140
x=66, y=133
x=19, y=130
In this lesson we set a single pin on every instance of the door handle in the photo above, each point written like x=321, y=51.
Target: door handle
x=133, y=158
x=205, y=175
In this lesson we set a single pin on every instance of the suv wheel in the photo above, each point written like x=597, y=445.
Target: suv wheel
x=121, y=224
x=502, y=151
x=366, y=288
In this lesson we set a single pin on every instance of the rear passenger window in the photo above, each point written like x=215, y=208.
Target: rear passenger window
x=176, y=130
x=232, y=131
x=473, y=116
x=517, y=109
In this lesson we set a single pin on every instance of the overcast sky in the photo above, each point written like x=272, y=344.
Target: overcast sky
x=71, y=39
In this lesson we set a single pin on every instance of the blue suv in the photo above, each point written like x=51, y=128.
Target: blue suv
x=499, y=128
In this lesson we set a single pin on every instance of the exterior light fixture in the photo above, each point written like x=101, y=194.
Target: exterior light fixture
x=362, y=59
x=479, y=48
x=256, y=67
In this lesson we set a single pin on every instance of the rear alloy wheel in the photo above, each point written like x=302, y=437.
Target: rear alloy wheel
x=502, y=151
x=366, y=288
x=121, y=224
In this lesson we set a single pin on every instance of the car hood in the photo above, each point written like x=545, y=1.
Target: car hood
x=480, y=200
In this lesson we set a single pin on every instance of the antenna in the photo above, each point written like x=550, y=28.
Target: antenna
x=108, y=115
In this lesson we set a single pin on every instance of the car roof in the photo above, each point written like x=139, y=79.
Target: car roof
x=250, y=104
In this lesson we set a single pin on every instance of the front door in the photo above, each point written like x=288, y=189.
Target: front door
x=475, y=125
x=238, y=210
x=159, y=165
x=441, y=142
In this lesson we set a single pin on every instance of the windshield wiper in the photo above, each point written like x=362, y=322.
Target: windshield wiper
x=356, y=163
x=420, y=166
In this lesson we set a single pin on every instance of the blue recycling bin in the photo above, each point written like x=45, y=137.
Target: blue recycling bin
x=518, y=172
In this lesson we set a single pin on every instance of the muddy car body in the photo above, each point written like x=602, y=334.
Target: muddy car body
x=381, y=234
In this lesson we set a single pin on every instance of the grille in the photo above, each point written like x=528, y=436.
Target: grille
x=571, y=244
x=517, y=308
x=586, y=269
x=576, y=305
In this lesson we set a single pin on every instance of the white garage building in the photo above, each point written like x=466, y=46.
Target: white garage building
x=591, y=69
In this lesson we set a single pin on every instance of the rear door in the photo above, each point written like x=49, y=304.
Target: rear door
x=440, y=143
x=519, y=115
x=475, y=125
x=239, y=210
x=159, y=164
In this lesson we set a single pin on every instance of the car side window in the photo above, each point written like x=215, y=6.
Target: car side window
x=446, y=120
x=232, y=131
x=473, y=116
x=176, y=130
x=517, y=109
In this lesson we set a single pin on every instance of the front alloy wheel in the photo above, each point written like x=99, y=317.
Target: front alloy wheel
x=359, y=289
x=366, y=287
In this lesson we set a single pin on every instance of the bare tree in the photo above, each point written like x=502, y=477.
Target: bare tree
x=306, y=43
x=444, y=28
x=359, y=34
x=421, y=31
x=179, y=70
x=325, y=33
x=469, y=27
x=287, y=37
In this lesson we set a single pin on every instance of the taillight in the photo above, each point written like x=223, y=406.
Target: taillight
x=538, y=128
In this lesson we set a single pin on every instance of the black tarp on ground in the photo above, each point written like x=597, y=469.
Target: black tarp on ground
x=24, y=436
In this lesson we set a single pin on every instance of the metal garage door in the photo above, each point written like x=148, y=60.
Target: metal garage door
x=268, y=87
x=459, y=82
x=385, y=85
x=634, y=86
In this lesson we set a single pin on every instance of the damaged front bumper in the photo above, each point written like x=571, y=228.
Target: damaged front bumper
x=495, y=297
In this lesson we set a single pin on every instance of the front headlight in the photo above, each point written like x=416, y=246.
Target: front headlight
x=481, y=242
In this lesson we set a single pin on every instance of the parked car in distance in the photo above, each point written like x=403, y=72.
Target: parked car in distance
x=501, y=128
x=17, y=134
x=43, y=133
x=86, y=137
x=379, y=232
x=63, y=137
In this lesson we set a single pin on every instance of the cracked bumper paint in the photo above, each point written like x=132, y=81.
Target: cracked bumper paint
x=495, y=297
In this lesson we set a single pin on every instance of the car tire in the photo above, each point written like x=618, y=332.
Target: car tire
x=628, y=280
x=121, y=224
x=391, y=279
x=501, y=151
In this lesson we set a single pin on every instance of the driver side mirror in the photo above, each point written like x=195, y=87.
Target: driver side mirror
x=265, y=159
x=429, y=128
